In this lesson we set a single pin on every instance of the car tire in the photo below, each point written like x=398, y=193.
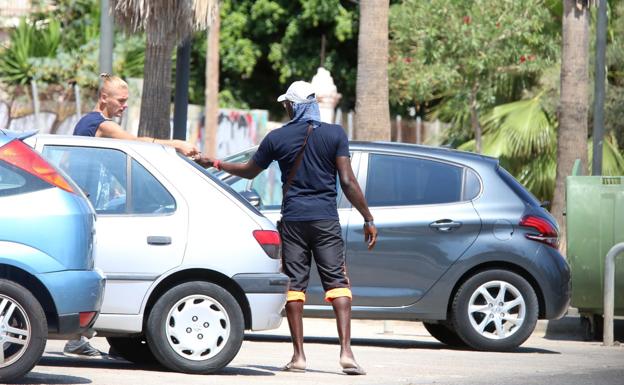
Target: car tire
x=133, y=349
x=495, y=310
x=23, y=330
x=195, y=327
x=444, y=334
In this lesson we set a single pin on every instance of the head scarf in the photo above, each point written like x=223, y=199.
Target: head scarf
x=305, y=112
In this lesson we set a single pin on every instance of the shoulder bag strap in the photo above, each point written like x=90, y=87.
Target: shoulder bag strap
x=293, y=170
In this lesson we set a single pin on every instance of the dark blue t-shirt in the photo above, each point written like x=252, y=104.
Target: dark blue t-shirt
x=88, y=124
x=312, y=193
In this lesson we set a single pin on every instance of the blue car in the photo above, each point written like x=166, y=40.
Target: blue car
x=48, y=285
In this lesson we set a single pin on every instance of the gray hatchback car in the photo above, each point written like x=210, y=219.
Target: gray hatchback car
x=462, y=245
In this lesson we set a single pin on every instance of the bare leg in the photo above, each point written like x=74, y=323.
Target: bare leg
x=294, y=313
x=342, y=309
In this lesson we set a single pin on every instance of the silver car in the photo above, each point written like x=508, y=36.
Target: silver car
x=462, y=246
x=190, y=264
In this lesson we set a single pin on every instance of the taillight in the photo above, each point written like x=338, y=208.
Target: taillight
x=270, y=241
x=21, y=156
x=546, y=232
x=86, y=317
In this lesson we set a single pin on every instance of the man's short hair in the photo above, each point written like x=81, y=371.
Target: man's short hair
x=110, y=81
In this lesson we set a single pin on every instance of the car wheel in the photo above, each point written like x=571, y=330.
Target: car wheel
x=444, y=334
x=133, y=349
x=196, y=327
x=495, y=310
x=23, y=330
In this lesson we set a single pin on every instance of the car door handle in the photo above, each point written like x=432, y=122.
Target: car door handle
x=445, y=225
x=158, y=240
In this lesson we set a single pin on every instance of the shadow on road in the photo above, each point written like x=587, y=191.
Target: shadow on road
x=63, y=361
x=382, y=343
x=51, y=379
x=279, y=369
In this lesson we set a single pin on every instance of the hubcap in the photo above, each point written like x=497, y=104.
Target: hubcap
x=198, y=327
x=14, y=331
x=496, y=310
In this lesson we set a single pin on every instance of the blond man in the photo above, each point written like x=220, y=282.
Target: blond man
x=112, y=102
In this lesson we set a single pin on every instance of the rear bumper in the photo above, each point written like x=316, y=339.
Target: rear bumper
x=555, y=282
x=73, y=292
x=266, y=294
x=68, y=327
x=262, y=283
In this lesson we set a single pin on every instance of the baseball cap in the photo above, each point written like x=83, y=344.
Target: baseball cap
x=298, y=92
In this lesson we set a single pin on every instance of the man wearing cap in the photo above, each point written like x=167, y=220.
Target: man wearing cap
x=310, y=227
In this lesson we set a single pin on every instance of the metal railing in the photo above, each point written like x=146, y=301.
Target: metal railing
x=609, y=292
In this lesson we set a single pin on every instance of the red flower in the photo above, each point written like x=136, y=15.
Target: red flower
x=522, y=59
x=407, y=60
x=467, y=20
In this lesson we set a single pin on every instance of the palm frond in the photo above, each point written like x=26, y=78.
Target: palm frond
x=164, y=17
x=612, y=159
x=519, y=129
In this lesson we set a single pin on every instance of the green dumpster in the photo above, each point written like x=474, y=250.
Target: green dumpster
x=595, y=222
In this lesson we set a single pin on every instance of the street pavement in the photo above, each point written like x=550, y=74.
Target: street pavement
x=392, y=352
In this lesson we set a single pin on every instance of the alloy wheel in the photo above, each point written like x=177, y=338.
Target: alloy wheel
x=496, y=310
x=15, y=331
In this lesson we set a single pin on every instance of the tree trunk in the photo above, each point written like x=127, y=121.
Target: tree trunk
x=212, y=86
x=155, y=120
x=474, y=117
x=573, y=105
x=372, y=111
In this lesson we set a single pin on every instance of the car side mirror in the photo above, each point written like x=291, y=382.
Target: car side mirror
x=252, y=197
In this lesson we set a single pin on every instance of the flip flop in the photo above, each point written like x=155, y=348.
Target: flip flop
x=356, y=370
x=291, y=367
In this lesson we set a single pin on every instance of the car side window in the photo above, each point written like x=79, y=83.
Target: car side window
x=472, y=186
x=149, y=196
x=100, y=172
x=402, y=181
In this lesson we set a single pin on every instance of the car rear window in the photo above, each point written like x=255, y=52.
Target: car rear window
x=225, y=186
x=15, y=181
x=518, y=188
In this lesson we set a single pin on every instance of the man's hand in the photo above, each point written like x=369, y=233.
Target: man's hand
x=204, y=161
x=185, y=148
x=370, y=234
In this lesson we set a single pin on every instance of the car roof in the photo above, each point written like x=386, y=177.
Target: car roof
x=445, y=153
x=408, y=148
x=96, y=141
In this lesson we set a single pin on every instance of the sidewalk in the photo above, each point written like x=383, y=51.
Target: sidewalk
x=568, y=327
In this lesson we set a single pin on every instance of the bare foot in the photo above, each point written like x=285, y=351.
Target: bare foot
x=298, y=366
x=349, y=366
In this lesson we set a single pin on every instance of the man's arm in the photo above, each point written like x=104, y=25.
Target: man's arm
x=352, y=191
x=110, y=129
x=248, y=170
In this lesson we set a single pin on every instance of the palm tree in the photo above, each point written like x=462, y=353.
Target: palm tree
x=212, y=86
x=573, y=105
x=372, y=110
x=166, y=23
x=523, y=134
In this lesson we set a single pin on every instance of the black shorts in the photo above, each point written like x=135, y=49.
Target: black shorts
x=302, y=240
